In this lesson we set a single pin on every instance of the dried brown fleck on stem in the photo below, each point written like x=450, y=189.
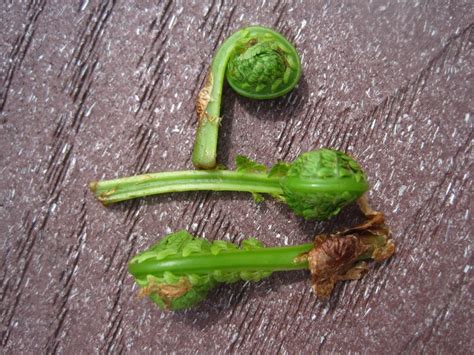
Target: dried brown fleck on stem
x=340, y=256
x=204, y=96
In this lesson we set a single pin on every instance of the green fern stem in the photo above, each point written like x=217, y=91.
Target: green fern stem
x=122, y=189
x=264, y=259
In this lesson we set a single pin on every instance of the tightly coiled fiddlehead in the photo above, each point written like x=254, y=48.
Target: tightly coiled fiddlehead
x=259, y=63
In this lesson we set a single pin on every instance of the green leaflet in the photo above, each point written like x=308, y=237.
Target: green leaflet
x=257, y=197
x=219, y=246
x=252, y=244
x=246, y=165
x=280, y=169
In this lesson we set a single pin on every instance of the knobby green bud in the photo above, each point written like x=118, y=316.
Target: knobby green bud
x=263, y=67
x=319, y=183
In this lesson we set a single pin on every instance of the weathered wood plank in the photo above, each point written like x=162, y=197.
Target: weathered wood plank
x=107, y=88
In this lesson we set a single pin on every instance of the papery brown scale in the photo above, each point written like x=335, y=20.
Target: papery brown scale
x=336, y=257
x=340, y=249
x=331, y=260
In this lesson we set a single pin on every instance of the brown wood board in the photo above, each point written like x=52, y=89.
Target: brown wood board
x=102, y=89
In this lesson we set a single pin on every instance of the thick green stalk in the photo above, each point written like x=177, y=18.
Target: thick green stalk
x=263, y=65
x=205, y=145
x=117, y=190
x=265, y=259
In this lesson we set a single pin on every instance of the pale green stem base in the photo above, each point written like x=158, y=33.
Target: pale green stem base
x=127, y=188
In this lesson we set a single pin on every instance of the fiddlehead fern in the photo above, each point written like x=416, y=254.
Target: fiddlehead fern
x=316, y=185
x=180, y=270
x=259, y=63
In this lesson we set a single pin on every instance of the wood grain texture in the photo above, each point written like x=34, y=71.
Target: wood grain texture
x=101, y=89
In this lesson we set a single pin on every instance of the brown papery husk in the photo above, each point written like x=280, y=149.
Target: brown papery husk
x=342, y=255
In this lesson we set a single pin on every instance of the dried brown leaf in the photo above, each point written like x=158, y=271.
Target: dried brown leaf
x=339, y=256
x=166, y=292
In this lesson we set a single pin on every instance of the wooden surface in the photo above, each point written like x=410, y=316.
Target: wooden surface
x=101, y=89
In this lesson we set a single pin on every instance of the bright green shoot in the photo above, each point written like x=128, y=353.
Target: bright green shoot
x=260, y=64
x=180, y=270
x=316, y=185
